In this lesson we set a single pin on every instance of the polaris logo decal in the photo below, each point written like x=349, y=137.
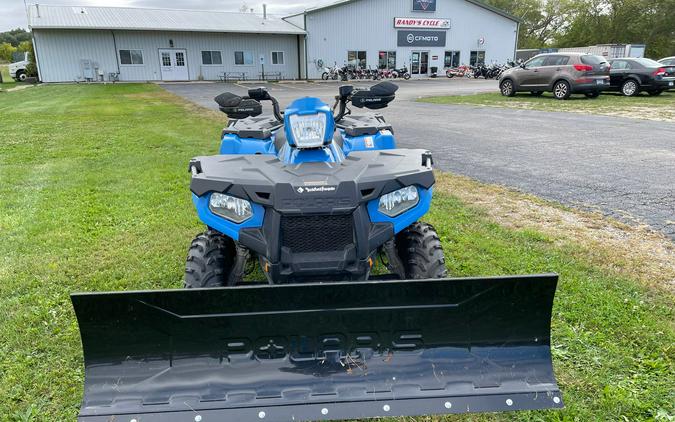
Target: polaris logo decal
x=315, y=189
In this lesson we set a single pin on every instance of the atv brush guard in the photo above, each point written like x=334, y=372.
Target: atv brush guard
x=315, y=196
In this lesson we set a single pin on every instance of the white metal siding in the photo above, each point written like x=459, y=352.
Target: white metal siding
x=132, y=19
x=369, y=25
x=61, y=51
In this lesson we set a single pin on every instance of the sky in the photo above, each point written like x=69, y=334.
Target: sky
x=13, y=14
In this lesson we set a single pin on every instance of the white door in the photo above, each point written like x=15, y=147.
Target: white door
x=173, y=64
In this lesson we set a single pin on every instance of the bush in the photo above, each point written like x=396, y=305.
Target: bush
x=6, y=50
x=31, y=68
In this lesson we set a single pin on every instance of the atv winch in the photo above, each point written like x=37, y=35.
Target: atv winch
x=315, y=197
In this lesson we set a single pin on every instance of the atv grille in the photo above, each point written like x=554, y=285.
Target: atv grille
x=318, y=233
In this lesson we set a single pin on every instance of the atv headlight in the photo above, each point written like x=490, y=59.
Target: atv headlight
x=399, y=201
x=234, y=209
x=309, y=130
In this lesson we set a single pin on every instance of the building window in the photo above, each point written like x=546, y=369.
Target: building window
x=477, y=57
x=243, y=58
x=180, y=58
x=277, y=57
x=386, y=60
x=451, y=59
x=211, y=57
x=356, y=59
x=166, y=59
x=131, y=57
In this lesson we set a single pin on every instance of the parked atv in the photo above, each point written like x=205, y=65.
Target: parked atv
x=314, y=197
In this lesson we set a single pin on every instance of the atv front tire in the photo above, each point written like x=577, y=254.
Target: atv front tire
x=209, y=261
x=420, y=251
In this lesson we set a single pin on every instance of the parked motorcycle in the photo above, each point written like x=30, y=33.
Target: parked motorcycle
x=401, y=73
x=459, y=71
x=331, y=73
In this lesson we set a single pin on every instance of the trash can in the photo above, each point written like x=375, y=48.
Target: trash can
x=434, y=71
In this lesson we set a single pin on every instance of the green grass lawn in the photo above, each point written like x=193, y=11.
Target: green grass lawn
x=661, y=107
x=94, y=196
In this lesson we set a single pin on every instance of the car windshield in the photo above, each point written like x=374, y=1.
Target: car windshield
x=648, y=62
x=590, y=59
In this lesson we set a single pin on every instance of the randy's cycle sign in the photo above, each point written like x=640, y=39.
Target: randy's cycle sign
x=424, y=6
x=421, y=38
x=430, y=23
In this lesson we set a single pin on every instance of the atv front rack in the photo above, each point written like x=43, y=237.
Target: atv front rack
x=319, y=351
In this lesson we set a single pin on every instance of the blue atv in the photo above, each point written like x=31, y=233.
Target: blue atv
x=316, y=196
x=312, y=194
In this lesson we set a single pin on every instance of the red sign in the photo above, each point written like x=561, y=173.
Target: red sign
x=431, y=23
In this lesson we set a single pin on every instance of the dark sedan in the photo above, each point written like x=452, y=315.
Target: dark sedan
x=630, y=76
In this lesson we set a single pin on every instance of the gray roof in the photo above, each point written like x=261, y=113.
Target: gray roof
x=127, y=18
x=479, y=3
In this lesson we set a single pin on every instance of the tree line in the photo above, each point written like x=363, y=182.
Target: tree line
x=16, y=40
x=576, y=23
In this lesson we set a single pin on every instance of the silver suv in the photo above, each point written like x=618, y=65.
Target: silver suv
x=563, y=74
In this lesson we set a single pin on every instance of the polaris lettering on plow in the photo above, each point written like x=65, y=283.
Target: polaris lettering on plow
x=421, y=38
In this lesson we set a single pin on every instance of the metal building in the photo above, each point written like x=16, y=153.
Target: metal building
x=133, y=44
x=420, y=34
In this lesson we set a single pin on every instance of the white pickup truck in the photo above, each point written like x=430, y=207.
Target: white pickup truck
x=17, y=70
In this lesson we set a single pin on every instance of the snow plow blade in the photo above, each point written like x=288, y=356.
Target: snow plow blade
x=319, y=351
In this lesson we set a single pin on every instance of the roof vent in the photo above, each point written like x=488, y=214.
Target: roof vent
x=79, y=10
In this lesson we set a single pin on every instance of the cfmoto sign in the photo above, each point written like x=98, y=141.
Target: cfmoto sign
x=421, y=38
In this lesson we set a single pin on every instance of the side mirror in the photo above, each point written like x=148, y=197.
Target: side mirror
x=237, y=107
x=259, y=94
x=523, y=65
x=377, y=97
x=346, y=91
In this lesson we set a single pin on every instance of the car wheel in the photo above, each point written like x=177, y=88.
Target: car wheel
x=21, y=75
x=561, y=90
x=506, y=88
x=593, y=94
x=655, y=93
x=630, y=88
x=537, y=93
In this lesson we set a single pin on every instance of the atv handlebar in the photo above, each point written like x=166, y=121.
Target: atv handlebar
x=376, y=97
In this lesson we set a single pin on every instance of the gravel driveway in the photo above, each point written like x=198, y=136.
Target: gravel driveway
x=622, y=167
